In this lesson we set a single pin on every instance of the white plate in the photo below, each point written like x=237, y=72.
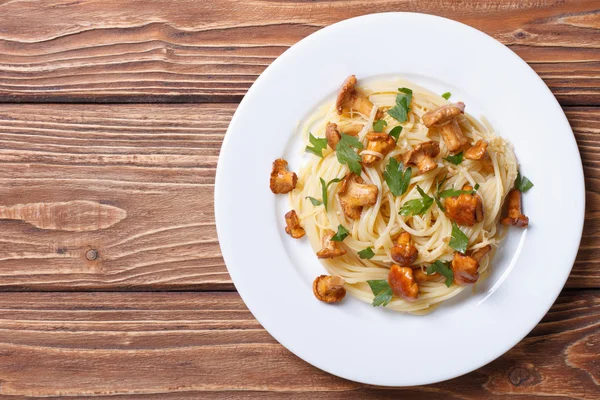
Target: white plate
x=273, y=273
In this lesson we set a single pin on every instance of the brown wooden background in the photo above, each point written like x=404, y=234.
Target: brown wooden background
x=120, y=107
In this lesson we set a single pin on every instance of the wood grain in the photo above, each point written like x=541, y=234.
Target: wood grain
x=212, y=51
x=187, y=345
x=156, y=163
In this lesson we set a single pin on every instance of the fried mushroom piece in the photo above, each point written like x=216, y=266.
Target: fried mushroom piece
x=350, y=99
x=282, y=180
x=515, y=216
x=445, y=118
x=354, y=194
x=443, y=114
x=465, y=209
x=404, y=253
x=466, y=267
x=332, y=134
x=330, y=247
x=352, y=129
x=402, y=282
x=477, y=151
x=293, y=227
x=380, y=143
x=329, y=289
x=423, y=156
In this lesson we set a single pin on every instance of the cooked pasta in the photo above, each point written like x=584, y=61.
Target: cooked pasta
x=491, y=178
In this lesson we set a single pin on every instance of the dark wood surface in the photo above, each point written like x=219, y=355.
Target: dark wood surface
x=173, y=326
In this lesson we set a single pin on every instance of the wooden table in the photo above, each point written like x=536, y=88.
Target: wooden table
x=111, y=118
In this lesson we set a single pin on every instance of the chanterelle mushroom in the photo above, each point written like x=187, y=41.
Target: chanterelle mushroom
x=350, y=99
x=477, y=151
x=293, y=227
x=380, y=143
x=282, y=181
x=466, y=267
x=421, y=276
x=465, y=209
x=402, y=282
x=515, y=216
x=445, y=118
x=329, y=289
x=423, y=156
x=330, y=248
x=332, y=132
x=354, y=194
x=404, y=252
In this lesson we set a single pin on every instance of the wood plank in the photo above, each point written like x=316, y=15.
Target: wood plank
x=153, y=51
x=150, y=170
x=187, y=345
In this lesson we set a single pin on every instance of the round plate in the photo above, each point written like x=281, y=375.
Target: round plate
x=273, y=273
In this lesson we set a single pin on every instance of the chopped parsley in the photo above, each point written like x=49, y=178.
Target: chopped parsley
x=341, y=234
x=417, y=206
x=442, y=268
x=459, y=241
x=366, y=253
x=447, y=95
x=396, y=177
x=455, y=159
x=318, y=145
x=324, y=187
x=400, y=111
x=346, y=154
x=395, y=132
x=522, y=183
x=382, y=292
x=379, y=125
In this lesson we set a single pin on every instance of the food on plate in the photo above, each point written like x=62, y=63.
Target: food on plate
x=400, y=195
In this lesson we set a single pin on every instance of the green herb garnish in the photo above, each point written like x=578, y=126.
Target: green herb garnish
x=417, y=206
x=400, y=111
x=459, y=241
x=346, y=154
x=442, y=268
x=341, y=234
x=318, y=145
x=395, y=132
x=396, y=177
x=315, y=202
x=379, y=125
x=382, y=292
x=366, y=253
x=447, y=95
x=522, y=183
x=455, y=159
x=437, y=196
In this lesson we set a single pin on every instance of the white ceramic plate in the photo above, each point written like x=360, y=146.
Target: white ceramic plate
x=273, y=273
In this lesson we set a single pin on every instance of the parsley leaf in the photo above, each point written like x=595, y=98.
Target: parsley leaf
x=417, y=206
x=395, y=132
x=346, y=154
x=455, y=159
x=476, y=188
x=324, y=189
x=443, y=269
x=378, y=125
x=341, y=234
x=318, y=145
x=437, y=198
x=459, y=240
x=315, y=202
x=447, y=95
x=382, y=291
x=522, y=183
x=366, y=253
x=396, y=178
x=454, y=192
x=400, y=111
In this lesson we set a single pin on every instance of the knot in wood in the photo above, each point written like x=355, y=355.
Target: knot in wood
x=91, y=254
x=525, y=375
